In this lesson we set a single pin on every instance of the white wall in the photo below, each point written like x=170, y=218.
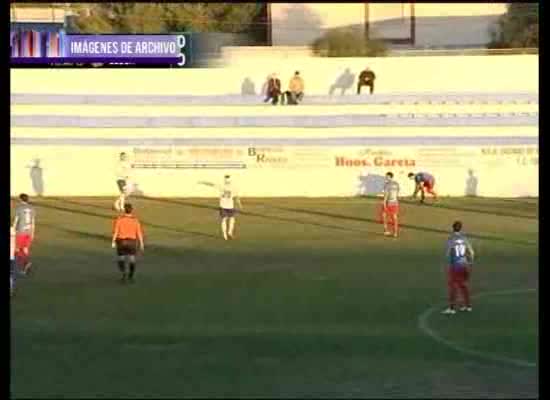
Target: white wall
x=313, y=169
x=69, y=168
x=437, y=74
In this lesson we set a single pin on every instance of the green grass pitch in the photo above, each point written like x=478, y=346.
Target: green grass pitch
x=309, y=301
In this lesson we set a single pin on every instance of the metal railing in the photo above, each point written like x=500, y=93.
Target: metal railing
x=460, y=52
x=305, y=50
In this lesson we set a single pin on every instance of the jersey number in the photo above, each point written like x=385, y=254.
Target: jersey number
x=226, y=194
x=27, y=217
x=460, y=250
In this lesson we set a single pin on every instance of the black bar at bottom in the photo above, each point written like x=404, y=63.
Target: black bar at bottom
x=89, y=60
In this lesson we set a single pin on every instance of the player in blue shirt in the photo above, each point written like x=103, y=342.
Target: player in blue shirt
x=423, y=181
x=461, y=256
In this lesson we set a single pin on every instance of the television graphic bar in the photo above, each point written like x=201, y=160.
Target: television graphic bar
x=37, y=48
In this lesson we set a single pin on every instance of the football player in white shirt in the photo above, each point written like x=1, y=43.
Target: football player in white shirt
x=228, y=198
x=123, y=181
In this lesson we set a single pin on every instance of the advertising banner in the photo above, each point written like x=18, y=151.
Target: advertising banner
x=275, y=170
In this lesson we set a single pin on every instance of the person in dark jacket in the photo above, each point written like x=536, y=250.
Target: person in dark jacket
x=273, y=89
x=366, y=78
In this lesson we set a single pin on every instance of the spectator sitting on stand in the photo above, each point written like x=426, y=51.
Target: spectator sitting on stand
x=273, y=89
x=366, y=78
x=295, y=92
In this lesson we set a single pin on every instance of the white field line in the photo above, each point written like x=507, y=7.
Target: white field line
x=425, y=328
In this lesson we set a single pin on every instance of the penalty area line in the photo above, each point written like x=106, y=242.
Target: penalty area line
x=425, y=328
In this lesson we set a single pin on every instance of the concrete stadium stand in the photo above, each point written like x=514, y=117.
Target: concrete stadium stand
x=397, y=98
x=309, y=121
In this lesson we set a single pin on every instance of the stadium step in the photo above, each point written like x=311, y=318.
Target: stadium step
x=309, y=121
x=236, y=99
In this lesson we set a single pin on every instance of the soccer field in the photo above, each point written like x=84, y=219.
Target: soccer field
x=311, y=300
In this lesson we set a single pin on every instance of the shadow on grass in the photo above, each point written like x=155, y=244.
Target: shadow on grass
x=413, y=227
x=111, y=218
x=529, y=201
x=149, y=248
x=79, y=203
x=71, y=210
x=181, y=203
x=473, y=210
x=283, y=219
x=81, y=234
x=258, y=215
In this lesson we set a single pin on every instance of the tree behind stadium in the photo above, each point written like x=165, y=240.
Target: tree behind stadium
x=165, y=17
x=518, y=28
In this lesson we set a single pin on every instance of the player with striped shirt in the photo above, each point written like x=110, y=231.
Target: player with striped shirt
x=423, y=182
x=24, y=225
x=461, y=256
x=127, y=234
x=390, y=209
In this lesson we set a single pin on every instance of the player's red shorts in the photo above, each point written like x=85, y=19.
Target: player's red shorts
x=458, y=275
x=392, y=209
x=23, y=240
x=429, y=185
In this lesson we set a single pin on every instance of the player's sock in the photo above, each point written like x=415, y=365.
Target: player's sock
x=385, y=222
x=132, y=270
x=27, y=268
x=231, y=226
x=23, y=260
x=122, y=266
x=224, y=229
x=452, y=296
x=466, y=296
